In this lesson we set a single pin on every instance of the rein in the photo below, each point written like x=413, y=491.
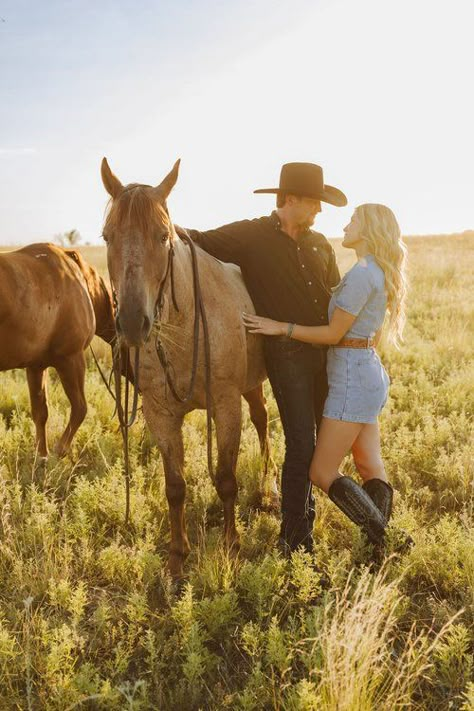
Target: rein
x=101, y=373
x=199, y=314
x=125, y=420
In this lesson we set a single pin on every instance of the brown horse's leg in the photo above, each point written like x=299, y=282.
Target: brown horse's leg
x=228, y=418
x=71, y=371
x=259, y=416
x=37, y=379
x=166, y=430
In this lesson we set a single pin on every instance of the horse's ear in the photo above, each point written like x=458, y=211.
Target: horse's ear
x=111, y=183
x=166, y=186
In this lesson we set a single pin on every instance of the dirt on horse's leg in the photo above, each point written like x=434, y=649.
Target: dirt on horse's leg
x=166, y=430
x=37, y=379
x=228, y=419
x=259, y=417
x=71, y=371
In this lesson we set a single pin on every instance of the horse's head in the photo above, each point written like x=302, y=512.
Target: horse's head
x=139, y=234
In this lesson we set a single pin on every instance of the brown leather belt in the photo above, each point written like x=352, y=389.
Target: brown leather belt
x=355, y=343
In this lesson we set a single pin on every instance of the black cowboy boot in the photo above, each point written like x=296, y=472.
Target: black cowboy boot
x=359, y=507
x=381, y=494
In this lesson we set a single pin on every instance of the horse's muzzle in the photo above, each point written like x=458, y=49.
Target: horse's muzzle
x=134, y=329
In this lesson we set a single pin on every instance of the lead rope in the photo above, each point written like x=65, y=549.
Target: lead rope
x=125, y=421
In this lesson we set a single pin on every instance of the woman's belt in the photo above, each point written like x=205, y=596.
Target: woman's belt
x=355, y=343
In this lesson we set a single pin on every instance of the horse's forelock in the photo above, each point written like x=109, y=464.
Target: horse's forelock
x=134, y=207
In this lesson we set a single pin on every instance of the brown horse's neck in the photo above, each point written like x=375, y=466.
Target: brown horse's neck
x=100, y=295
x=183, y=287
x=104, y=311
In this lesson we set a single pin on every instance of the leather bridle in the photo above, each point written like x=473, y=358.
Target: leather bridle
x=126, y=420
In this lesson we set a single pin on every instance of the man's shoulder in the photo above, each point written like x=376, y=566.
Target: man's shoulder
x=249, y=225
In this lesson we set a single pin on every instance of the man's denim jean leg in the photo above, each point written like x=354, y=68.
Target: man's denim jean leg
x=297, y=374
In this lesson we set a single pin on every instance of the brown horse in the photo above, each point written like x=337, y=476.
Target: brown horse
x=140, y=236
x=51, y=304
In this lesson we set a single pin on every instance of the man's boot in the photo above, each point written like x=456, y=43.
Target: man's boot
x=359, y=507
x=381, y=493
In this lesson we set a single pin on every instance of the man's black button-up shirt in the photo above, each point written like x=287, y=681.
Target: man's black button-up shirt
x=288, y=280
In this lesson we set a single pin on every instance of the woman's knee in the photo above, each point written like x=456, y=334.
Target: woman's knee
x=322, y=477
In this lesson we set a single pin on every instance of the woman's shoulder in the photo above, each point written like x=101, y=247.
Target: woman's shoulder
x=368, y=268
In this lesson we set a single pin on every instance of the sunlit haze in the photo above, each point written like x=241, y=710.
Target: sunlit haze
x=378, y=92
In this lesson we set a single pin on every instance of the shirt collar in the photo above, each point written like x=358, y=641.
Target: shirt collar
x=275, y=221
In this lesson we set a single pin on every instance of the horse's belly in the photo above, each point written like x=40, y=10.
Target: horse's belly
x=45, y=332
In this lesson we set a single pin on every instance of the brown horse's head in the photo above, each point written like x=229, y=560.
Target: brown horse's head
x=138, y=233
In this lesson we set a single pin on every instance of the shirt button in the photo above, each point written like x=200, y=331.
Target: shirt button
x=309, y=283
x=299, y=249
x=315, y=301
x=302, y=266
x=315, y=249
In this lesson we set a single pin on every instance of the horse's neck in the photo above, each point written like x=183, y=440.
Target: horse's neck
x=104, y=311
x=183, y=280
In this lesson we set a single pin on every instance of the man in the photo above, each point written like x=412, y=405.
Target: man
x=289, y=271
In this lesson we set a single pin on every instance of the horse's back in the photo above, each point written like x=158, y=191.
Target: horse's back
x=45, y=309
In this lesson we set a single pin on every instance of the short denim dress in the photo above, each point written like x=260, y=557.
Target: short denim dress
x=358, y=382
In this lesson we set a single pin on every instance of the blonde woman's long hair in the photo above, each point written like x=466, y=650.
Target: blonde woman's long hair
x=381, y=231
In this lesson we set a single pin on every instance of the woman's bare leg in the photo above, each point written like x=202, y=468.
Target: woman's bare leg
x=367, y=453
x=335, y=439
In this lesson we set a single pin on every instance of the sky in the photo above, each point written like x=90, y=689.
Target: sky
x=377, y=92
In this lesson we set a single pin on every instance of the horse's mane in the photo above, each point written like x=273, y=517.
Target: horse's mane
x=134, y=206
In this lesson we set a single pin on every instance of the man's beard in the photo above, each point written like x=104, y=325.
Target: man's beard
x=306, y=224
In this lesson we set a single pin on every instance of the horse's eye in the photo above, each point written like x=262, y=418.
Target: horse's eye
x=164, y=237
x=105, y=238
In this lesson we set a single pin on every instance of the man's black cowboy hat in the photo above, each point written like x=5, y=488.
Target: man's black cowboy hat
x=306, y=180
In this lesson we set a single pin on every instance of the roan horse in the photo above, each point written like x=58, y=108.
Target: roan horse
x=145, y=260
x=51, y=304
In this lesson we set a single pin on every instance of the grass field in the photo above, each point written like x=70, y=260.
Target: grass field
x=88, y=615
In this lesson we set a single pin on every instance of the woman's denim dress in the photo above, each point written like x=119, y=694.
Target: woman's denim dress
x=358, y=382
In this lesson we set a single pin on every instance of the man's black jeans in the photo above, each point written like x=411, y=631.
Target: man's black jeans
x=297, y=373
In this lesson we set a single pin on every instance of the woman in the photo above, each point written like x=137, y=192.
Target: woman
x=358, y=382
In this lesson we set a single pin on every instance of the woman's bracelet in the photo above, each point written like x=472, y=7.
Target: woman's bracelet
x=289, y=330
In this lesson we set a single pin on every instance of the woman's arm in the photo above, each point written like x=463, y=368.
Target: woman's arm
x=340, y=323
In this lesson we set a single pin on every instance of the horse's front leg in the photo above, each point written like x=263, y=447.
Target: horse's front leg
x=228, y=419
x=165, y=428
